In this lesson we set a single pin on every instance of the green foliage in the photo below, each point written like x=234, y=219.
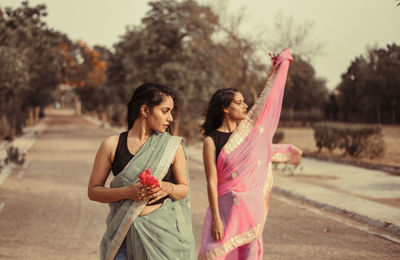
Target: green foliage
x=183, y=45
x=14, y=76
x=278, y=137
x=356, y=140
x=14, y=87
x=30, y=62
x=303, y=90
x=305, y=116
x=14, y=155
x=369, y=90
x=173, y=46
x=4, y=128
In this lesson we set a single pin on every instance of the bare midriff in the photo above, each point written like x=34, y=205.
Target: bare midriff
x=148, y=209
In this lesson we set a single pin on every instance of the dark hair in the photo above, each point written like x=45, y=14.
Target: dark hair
x=215, y=114
x=149, y=94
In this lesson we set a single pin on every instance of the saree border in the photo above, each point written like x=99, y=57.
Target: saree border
x=280, y=157
x=247, y=236
x=247, y=124
x=137, y=207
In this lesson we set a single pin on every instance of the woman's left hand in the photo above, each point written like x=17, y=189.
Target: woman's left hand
x=295, y=156
x=166, y=188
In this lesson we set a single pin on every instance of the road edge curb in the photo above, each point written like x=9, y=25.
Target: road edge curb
x=373, y=222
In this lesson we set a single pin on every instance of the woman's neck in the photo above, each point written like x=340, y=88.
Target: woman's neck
x=227, y=126
x=140, y=130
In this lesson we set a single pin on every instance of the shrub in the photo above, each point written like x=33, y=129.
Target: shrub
x=278, y=136
x=357, y=140
x=4, y=128
x=13, y=155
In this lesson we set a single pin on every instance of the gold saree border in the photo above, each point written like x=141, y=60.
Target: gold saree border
x=247, y=124
x=137, y=207
x=247, y=236
x=280, y=157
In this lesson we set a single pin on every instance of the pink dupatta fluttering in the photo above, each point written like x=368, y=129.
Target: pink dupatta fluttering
x=244, y=172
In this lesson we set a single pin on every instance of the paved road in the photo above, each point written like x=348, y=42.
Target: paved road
x=45, y=212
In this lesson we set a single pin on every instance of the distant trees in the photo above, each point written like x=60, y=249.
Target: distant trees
x=34, y=61
x=370, y=88
x=183, y=45
x=306, y=95
x=31, y=66
x=304, y=91
x=88, y=75
x=286, y=33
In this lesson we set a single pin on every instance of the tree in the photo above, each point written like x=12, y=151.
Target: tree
x=297, y=38
x=45, y=68
x=87, y=73
x=174, y=46
x=303, y=89
x=22, y=29
x=184, y=45
x=374, y=82
x=14, y=80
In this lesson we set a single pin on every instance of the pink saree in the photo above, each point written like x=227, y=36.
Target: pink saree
x=244, y=172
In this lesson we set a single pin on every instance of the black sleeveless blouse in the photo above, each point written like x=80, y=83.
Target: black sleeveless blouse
x=123, y=156
x=220, y=139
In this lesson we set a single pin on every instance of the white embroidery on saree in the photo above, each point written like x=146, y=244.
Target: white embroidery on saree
x=247, y=236
x=247, y=124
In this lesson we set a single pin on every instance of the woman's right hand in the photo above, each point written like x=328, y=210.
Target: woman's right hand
x=217, y=229
x=136, y=191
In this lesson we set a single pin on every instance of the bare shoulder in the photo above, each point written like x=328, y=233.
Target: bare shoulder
x=179, y=152
x=110, y=144
x=208, y=143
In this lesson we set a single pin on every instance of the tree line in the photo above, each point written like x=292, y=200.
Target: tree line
x=370, y=88
x=186, y=46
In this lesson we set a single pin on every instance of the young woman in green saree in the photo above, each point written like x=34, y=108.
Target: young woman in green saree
x=144, y=222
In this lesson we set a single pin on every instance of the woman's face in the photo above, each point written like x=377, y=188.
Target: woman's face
x=237, y=109
x=161, y=115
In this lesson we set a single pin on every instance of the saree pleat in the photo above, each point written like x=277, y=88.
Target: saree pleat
x=244, y=172
x=149, y=236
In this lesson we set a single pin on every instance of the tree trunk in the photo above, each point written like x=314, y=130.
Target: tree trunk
x=6, y=126
x=62, y=101
x=31, y=118
x=78, y=106
x=291, y=113
x=393, y=116
x=36, y=114
x=94, y=115
x=11, y=129
x=379, y=118
x=103, y=116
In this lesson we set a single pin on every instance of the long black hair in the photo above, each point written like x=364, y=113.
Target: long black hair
x=221, y=99
x=149, y=94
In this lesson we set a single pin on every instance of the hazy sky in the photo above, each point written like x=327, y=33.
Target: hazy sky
x=346, y=27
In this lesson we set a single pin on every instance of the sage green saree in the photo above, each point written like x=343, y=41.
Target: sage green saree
x=165, y=233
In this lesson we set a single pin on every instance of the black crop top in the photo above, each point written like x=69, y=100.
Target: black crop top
x=220, y=139
x=123, y=156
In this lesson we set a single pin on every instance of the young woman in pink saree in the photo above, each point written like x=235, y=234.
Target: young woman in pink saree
x=237, y=163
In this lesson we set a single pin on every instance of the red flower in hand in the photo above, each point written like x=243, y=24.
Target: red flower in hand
x=274, y=58
x=146, y=179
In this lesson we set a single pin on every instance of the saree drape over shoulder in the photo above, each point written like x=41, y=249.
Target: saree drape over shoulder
x=165, y=233
x=244, y=172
